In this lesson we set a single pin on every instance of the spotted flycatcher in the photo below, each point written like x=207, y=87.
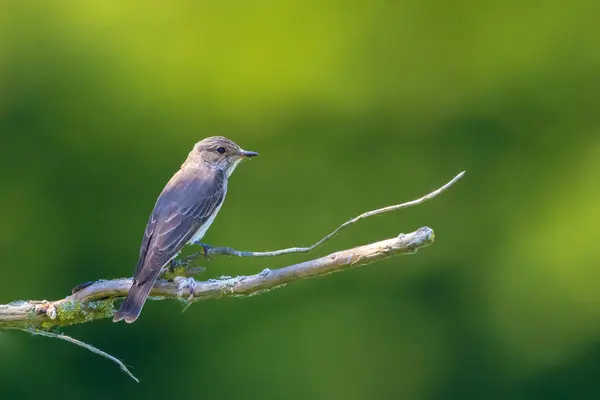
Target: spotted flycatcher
x=182, y=214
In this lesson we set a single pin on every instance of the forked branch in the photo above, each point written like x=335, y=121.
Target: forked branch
x=95, y=301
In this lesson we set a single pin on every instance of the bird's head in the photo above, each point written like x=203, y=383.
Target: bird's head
x=219, y=152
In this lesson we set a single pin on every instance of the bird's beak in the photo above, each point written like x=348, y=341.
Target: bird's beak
x=247, y=154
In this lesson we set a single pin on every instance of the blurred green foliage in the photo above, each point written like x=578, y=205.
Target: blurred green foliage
x=353, y=105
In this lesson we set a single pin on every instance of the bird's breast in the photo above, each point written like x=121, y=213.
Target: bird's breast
x=204, y=227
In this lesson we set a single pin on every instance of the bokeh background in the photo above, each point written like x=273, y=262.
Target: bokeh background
x=353, y=105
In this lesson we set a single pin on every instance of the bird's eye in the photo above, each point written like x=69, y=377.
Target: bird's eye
x=221, y=150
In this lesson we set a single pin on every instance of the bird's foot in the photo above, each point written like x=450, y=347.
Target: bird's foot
x=174, y=269
x=205, y=250
x=186, y=283
x=172, y=266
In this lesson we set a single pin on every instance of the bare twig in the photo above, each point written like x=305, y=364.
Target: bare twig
x=89, y=347
x=228, y=251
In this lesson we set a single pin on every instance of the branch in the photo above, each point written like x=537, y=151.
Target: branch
x=86, y=346
x=228, y=251
x=95, y=300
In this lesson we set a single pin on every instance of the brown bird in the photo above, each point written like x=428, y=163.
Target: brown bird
x=183, y=213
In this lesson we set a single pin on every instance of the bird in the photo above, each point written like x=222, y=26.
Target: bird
x=183, y=212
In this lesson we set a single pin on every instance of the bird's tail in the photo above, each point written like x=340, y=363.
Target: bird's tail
x=134, y=302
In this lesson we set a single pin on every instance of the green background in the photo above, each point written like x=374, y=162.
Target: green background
x=353, y=106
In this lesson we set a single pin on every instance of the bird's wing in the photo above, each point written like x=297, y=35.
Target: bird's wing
x=187, y=202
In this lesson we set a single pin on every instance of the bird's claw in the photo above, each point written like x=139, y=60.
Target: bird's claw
x=205, y=250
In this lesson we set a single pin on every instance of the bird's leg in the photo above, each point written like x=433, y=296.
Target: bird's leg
x=180, y=268
x=170, y=271
x=205, y=249
x=171, y=267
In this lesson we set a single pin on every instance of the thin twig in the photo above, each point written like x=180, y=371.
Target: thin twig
x=84, y=345
x=228, y=251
